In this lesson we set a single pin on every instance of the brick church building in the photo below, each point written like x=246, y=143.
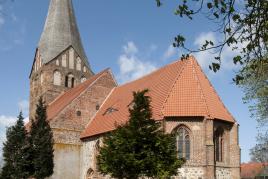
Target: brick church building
x=83, y=105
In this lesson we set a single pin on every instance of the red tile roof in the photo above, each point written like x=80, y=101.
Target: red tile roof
x=250, y=170
x=66, y=98
x=178, y=89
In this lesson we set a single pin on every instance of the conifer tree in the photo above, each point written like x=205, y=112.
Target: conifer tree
x=13, y=152
x=139, y=148
x=41, y=141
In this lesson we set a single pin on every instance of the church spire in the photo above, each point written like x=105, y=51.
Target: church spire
x=60, y=32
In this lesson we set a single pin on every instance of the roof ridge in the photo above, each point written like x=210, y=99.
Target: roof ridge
x=153, y=72
x=198, y=81
x=175, y=80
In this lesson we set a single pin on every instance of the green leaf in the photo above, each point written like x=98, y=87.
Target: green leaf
x=209, y=5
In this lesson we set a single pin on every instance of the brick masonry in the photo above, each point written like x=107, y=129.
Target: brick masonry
x=68, y=124
x=201, y=164
x=41, y=77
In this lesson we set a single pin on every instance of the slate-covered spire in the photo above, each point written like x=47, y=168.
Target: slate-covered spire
x=60, y=32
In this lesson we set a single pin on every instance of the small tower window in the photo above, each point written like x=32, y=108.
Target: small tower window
x=72, y=85
x=78, y=64
x=97, y=107
x=69, y=81
x=85, y=69
x=78, y=113
x=57, y=62
x=57, y=78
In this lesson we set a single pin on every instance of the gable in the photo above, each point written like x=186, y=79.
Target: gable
x=193, y=95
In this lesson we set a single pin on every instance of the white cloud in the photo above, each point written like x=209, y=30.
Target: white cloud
x=170, y=52
x=6, y=121
x=130, y=48
x=131, y=66
x=205, y=58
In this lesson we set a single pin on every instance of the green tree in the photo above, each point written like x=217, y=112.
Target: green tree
x=242, y=25
x=140, y=147
x=255, y=87
x=259, y=153
x=15, y=165
x=41, y=141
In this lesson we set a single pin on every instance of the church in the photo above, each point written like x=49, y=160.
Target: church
x=83, y=105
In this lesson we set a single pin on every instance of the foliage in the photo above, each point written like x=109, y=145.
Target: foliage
x=140, y=147
x=16, y=163
x=41, y=140
x=243, y=26
x=260, y=152
x=255, y=86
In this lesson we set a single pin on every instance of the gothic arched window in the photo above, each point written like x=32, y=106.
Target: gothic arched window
x=183, y=142
x=57, y=78
x=218, y=143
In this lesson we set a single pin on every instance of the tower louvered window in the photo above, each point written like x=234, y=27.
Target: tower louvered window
x=69, y=81
x=183, y=143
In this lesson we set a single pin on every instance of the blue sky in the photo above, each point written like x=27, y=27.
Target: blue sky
x=131, y=37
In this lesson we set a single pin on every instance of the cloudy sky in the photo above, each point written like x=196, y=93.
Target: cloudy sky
x=131, y=37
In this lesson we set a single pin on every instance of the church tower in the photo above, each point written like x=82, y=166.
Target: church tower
x=60, y=62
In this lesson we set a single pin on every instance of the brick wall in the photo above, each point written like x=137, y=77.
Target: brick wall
x=41, y=79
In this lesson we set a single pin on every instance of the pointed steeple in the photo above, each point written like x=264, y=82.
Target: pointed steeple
x=60, y=32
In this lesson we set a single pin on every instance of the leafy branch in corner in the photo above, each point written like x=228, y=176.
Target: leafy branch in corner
x=243, y=26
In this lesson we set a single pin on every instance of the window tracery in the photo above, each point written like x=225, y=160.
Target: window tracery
x=183, y=142
x=219, y=144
